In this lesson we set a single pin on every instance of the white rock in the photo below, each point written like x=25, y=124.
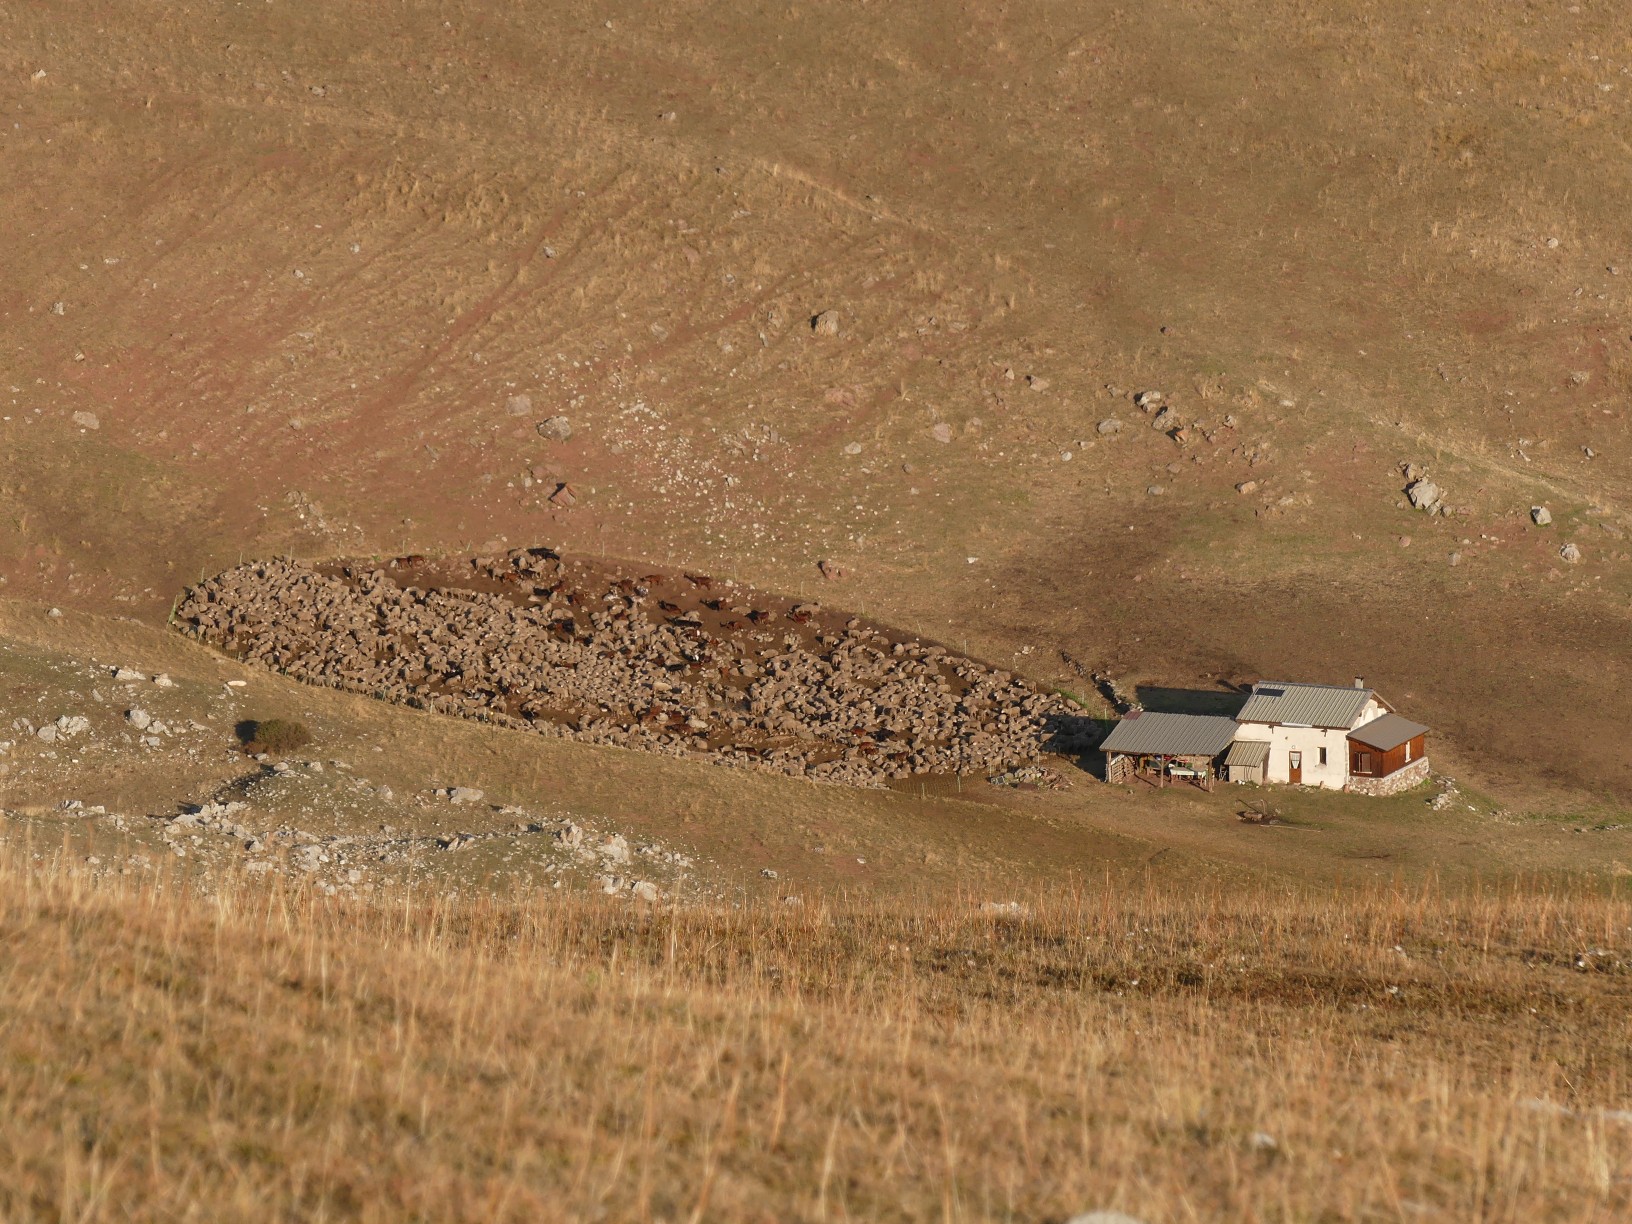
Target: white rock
x=616, y=849
x=1109, y=426
x=1540, y=515
x=1570, y=553
x=826, y=323
x=70, y=725
x=464, y=794
x=125, y=675
x=1424, y=494
x=645, y=890
x=519, y=405
x=556, y=428
x=139, y=718
x=1004, y=909
x=47, y=734
x=87, y=420
x=942, y=432
x=164, y=681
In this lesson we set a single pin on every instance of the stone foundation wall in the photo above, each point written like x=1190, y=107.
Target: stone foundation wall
x=1394, y=783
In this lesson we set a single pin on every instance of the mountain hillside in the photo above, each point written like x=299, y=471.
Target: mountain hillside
x=330, y=280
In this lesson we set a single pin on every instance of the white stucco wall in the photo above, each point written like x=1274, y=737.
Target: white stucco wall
x=1283, y=741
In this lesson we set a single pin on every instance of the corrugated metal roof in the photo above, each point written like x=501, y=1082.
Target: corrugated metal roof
x=1247, y=753
x=1389, y=731
x=1293, y=704
x=1171, y=735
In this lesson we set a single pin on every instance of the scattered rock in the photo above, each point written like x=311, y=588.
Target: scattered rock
x=826, y=323
x=768, y=872
x=1455, y=558
x=1109, y=426
x=163, y=680
x=70, y=725
x=1036, y=383
x=519, y=405
x=556, y=428
x=1004, y=909
x=87, y=420
x=139, y=718
x=1540, y=515
x=1145, y=401
x=462, y=794
x=1424, y=494
x=644, y=890
x=941, y=432
x=852, y=448
x=47, y=734
x=1247, y=486
x=1155, y=490
x=125, y=675
x=1570, y=553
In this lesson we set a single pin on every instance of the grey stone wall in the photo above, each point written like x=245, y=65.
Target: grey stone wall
x=1394, y=783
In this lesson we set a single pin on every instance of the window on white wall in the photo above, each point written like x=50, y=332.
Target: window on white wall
x=1323, y=756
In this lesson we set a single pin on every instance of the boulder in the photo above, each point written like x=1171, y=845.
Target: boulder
x=1109, y=426
x=1570, y=553
x=555, y=428
x=1540, y=515
x=1424, y=494
x=826, y=323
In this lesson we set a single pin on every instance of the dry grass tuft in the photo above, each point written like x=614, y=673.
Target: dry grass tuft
x=271, y=1053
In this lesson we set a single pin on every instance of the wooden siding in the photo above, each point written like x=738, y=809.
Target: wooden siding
x=1367, y=762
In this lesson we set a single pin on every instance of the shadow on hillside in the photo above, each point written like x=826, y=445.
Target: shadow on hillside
x=1225, y=703
x=1078, y=736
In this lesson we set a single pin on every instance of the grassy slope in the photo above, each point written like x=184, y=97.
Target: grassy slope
x=820, y=840
x=1214, y=1055
x=1331, y=228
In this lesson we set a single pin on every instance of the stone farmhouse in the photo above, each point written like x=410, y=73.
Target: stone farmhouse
x=1338, y=737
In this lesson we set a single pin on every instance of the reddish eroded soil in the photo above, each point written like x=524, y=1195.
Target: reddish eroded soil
x=680, y=663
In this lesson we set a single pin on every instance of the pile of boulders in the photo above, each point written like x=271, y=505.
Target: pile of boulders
x=676, y=663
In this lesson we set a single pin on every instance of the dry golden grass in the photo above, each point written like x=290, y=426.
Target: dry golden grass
x=260, y=1053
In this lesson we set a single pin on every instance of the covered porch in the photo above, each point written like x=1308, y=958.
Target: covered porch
x=1165, y=749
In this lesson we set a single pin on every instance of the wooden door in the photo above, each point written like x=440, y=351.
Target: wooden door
x=1294, y=768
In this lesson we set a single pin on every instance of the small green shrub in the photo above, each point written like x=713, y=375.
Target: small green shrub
x=277, y=736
